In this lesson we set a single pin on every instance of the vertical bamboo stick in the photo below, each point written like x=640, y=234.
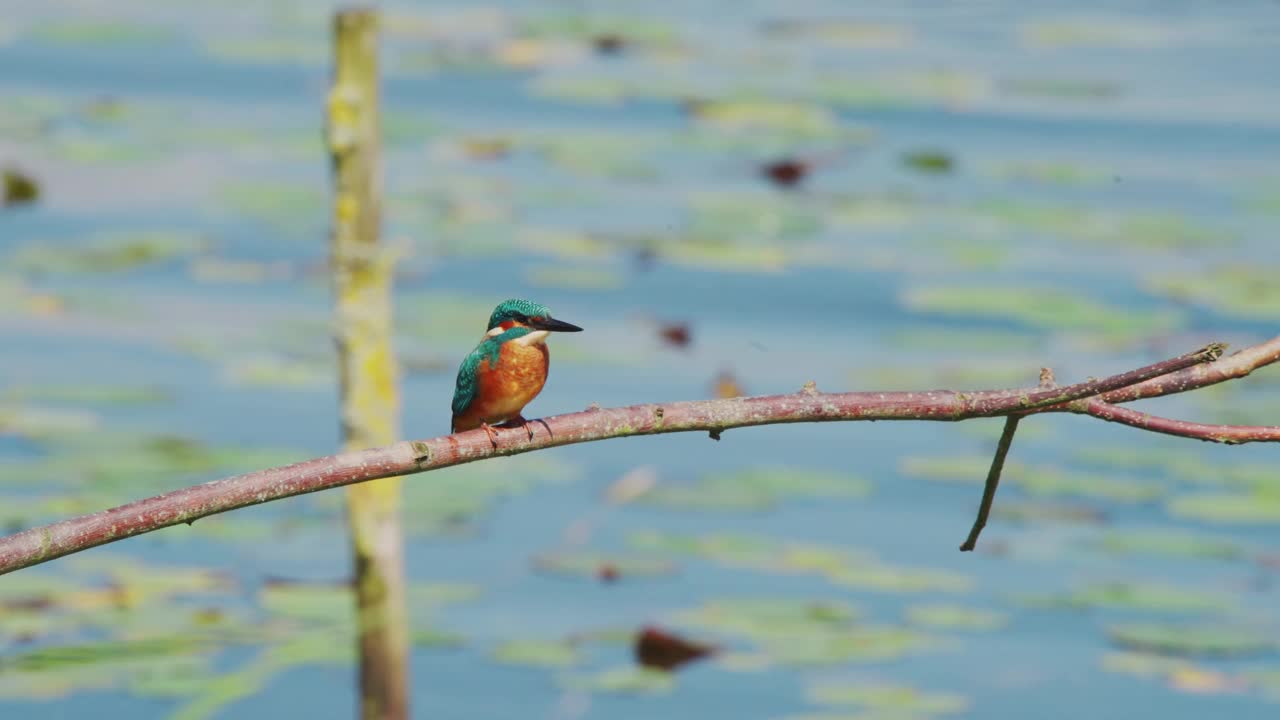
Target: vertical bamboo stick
x=362, y=273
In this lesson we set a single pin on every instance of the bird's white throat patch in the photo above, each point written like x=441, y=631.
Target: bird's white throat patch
x=536, y=337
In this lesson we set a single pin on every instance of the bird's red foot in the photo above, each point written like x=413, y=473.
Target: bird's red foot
x=493, y=434
x=519, y=421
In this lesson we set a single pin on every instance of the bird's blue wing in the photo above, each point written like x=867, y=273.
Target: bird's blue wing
x=464, y=393
x=468, y=385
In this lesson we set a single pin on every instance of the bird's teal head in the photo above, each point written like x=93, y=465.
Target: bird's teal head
x=525, y=313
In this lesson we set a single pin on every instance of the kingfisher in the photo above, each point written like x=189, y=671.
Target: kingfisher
x=507, y=369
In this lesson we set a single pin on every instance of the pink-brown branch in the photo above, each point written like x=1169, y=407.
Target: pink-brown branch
x=41, y=544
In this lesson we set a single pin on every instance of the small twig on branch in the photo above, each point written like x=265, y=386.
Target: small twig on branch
x=41, y=544
x=1231, y=367
x=1228, y=434
x=993, y=481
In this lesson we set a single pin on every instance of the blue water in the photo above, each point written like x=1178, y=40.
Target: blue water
x=1187, y=133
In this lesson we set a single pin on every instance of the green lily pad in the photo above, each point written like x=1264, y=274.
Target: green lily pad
x=1173, y=543
x=1038, y=308
x=1149, y=229
x=1256, y=508
x=537, y=653
x=802, y=119
x=88, y=394
x=624, y=681
x=805, y=632
x=1143, y=664
x=955, y=617
x=879, y=697
x=1053, y=173
x=1246, y=291
x=929, y=161
x=309, y=602
x=435, y=638
x=279, y=372
x=585, y=27
x=39, y=423
x=273, y=50
x=1137, y=596
x=574, y=278
x=755, y=489
x=614, y=155
x=1194, y=640
x=103, y=33
x=289, y=208
x=453, y=498
x=934, y=338
x=106, y=252
x=766, y=617
x=845, y=567
x=1034, y=480
x=1039, y=512
x=603, y=566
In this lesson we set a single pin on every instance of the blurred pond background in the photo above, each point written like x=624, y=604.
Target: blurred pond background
x=731, y=197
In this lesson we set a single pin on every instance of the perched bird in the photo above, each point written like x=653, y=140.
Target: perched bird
x=507, y=369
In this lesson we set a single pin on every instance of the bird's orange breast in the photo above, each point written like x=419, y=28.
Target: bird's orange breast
x=504, y=390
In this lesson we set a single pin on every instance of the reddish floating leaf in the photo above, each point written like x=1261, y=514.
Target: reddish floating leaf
x=661, y=650
x=675, y=334
x=786, y=172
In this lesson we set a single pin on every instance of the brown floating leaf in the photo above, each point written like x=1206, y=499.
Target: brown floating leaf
x=675, y=334
x=609, y=43
x=661, y=650
x=786, y=172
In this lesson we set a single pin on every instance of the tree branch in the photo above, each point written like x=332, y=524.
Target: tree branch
x=1228, y=434
x=1231, y=367
x=41, y=544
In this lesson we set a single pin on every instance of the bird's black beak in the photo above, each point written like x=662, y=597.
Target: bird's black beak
x=553, y=325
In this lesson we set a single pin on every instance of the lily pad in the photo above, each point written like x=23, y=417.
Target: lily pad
x=107, y=252
x=806, y=632
x=1194, y=640
x=624, y=681
x=1173, y=543
x=103, y=33
x=574, y=278
x=955, y=617
x=755, y=489
x=899, y=699
x=1035, y=480
x=1258, y=508
x=537, y=653
x=801, y=119
x=89, y=394
x=1137, y=596
x=1246, y=291
x=846, y=567
x=929, y=161
x=455, y=497
x=766, y=617
x=603, y=566
x=1039, y=308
